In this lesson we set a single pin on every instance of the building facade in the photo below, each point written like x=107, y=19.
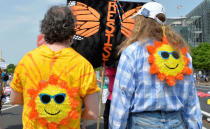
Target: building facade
x=198, y=22
x=179, y=25
x=195, y=26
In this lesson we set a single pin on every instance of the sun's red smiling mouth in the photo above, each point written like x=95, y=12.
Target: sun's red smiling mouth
x=52, y=113
x=170, y=67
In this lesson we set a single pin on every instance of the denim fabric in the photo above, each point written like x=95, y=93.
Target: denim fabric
x=156, y=120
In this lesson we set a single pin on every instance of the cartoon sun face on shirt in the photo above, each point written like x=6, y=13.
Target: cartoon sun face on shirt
x=167, y=63
x=53, y=103
x=168, y=60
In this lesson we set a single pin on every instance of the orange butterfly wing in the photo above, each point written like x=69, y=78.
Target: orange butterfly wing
x=128, y=22
x=88, y=20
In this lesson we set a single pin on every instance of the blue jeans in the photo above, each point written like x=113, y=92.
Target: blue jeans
x=156, y=120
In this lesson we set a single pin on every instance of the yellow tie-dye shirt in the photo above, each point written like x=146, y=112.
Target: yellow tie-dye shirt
x=53, y=84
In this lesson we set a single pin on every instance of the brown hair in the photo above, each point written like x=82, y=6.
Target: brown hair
x=149, y=28
x=58, y=25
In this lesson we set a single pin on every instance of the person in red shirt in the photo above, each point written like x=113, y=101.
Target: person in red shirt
x=110, y=72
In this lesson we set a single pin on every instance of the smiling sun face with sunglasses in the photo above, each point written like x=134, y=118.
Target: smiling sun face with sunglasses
x=168, y=64
x=168, y=60
x=53, y=102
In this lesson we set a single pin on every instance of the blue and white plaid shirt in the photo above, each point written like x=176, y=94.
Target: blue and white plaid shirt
x=136, y=90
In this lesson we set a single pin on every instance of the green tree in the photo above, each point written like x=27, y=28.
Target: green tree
x=201, y=56
x=10, y=68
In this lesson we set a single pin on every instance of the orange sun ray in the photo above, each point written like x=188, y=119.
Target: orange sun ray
x=84, y=75
x=67, y=66
x=72, y=68
x=30, y=78
x=33, y=82
x=31, y=69
x=53, y=62
x=36, y=66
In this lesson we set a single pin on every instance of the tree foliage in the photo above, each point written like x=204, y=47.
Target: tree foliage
x=10, y=68
x=201, y=56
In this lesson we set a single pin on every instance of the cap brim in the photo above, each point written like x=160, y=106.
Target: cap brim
x=133, y=16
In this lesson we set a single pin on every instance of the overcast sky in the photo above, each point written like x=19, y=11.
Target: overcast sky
x=20, y=21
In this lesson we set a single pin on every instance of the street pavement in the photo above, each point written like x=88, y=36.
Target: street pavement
x=203, y=100
x=11, y=118
x=205, y=107
x=11, y=115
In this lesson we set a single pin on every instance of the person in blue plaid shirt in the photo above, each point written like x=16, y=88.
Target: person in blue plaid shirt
x=154, y=86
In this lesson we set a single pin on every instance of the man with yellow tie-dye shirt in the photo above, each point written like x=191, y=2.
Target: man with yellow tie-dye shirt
x=53, y=80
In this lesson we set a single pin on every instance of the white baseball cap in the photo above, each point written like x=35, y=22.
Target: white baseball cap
x=151, y=10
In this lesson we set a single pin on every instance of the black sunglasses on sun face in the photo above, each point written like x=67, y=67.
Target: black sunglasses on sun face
x=58, y=98
x=165, y=54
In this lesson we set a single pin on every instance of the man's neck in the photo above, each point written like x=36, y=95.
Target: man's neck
x=57, y=46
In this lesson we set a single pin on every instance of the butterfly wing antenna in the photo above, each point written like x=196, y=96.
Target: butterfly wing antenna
x=87, y=20
x=128, y=22
x=77, y=37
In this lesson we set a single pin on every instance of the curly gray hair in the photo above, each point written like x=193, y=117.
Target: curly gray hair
x=58, y=24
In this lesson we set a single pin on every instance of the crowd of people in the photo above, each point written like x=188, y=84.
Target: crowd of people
x=4, y=77
x=152, y=86
x=201, y=77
